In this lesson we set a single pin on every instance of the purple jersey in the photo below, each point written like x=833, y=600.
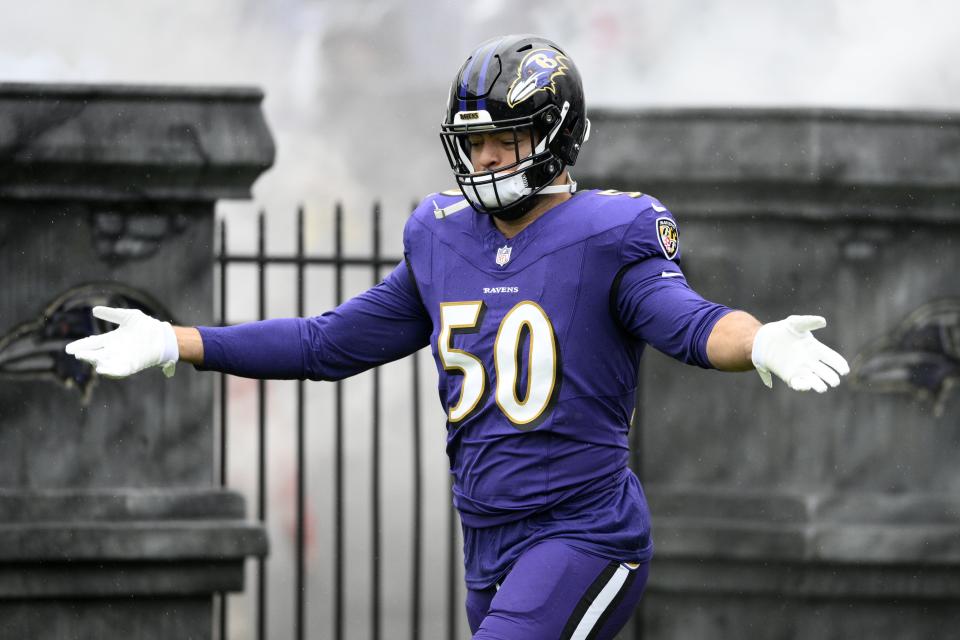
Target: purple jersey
x=537, y=341
x=538, y=365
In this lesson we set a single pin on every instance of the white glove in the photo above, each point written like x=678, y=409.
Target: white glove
x=138, y=343
x=788, y=349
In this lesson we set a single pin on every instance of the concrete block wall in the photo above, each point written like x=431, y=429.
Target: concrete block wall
x=785, y=515
x=111, y=523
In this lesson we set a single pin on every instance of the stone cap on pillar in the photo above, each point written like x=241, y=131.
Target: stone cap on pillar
x=806, y=544
x=123, y=542
x=809, y=163
x=131, y=143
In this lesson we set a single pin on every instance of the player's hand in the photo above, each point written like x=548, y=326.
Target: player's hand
x=138, y=343
x=788, y=349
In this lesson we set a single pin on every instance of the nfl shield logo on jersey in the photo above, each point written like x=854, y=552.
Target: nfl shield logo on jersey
x=503, y=255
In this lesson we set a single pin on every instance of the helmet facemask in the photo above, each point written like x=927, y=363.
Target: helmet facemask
x=508, y=191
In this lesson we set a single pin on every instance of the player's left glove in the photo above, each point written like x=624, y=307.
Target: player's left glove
x=138, y=343
x=788, y=349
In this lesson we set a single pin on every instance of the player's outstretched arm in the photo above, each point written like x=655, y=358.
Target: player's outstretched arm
x=785, y=348
x=189, y=344
x=138, y=343
x=377, y=326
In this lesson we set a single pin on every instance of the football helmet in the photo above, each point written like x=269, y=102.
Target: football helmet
x=524, y=85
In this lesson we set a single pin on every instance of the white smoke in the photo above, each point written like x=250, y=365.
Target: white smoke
x=354, y=90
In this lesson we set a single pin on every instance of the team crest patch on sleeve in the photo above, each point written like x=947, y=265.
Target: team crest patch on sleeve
x=668, y=236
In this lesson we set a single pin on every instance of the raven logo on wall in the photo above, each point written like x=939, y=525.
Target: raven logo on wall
x=920, y=356
x=34, y=350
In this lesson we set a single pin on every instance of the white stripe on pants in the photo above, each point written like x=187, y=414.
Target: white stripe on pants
x=603, y=600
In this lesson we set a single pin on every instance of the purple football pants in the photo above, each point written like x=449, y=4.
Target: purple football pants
x=556, y=591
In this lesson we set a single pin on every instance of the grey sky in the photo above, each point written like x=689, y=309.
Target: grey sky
x=354, y=90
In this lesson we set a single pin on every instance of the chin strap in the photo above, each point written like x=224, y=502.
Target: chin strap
x=460, y=205
x=569, y=187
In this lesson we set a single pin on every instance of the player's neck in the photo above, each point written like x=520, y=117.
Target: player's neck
x=510, y=228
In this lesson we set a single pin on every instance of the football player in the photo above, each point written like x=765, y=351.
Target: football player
x=537, y=300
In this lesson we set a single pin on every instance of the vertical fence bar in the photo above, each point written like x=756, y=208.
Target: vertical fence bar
x=261, y=607
x=223, y=376
x=417, y=503
x=375, y=522
x=301, y=470
x=416, y=581
x=338, y=445
x=223, y=401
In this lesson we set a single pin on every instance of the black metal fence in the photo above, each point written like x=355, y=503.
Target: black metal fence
x=339, y=262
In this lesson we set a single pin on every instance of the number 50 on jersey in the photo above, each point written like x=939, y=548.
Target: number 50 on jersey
x=541, y=358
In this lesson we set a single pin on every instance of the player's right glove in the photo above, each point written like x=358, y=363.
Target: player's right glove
x=138, y=343
x=788, y=349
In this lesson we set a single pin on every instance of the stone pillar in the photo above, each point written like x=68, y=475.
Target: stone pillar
x=787, y=515
x=111, y=523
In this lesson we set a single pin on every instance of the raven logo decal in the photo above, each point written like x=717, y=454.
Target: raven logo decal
x=34, y=350
x=920, y=356
x=668, y=236
x=537, y=72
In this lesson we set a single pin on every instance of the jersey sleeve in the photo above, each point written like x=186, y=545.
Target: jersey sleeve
x=653, y=301
x=382, y=324
x=653, y=232
x=656, y=305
